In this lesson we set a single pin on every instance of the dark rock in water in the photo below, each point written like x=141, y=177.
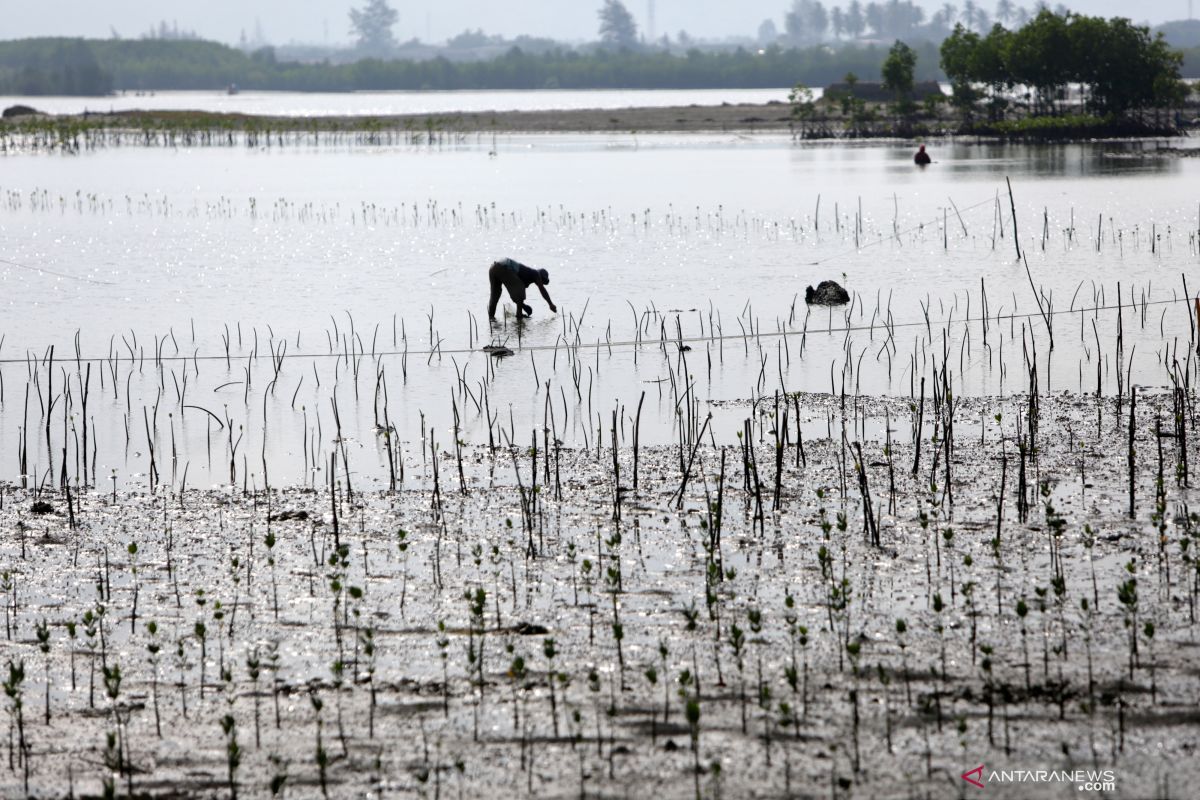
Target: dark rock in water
x=20, y=111
x=827, y=293
x=41, y=507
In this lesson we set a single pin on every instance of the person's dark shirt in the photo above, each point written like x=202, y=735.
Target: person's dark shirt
x=527, y=275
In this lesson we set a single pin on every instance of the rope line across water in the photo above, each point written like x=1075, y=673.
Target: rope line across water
x=56, y=274
x=896, y=234
x=617, y=344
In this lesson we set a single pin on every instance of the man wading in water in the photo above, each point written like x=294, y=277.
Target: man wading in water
x=515, y=276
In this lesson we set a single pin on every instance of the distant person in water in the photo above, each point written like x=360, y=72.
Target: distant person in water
x=516, y=277
x=922, y=158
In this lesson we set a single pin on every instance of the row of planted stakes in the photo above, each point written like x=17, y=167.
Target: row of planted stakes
x=170, y=129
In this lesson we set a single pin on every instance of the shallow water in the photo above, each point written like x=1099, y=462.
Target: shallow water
x=214, y=257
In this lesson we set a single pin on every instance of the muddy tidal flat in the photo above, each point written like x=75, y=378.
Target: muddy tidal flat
x=847, y=615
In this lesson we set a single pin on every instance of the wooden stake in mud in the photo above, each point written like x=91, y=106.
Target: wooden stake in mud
x=333, y=498
x=780, y=443
x=687, y=471
x=637, y=428
x=1013, y=205
x=917, y=436
x=616, y=471
x=1038, y=297
x=860, y=465
x=1132, y=462
x=801, y=457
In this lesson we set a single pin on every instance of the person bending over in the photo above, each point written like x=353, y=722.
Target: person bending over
x=516, y=277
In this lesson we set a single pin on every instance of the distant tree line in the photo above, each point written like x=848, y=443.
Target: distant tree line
x=52, y=66
x=32, y=67
x=1118, y=66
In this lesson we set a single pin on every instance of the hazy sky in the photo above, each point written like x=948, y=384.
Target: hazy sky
x=315, y=21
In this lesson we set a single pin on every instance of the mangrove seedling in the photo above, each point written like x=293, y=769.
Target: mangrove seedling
x=737, y=643
x=322, y=757
x=443, y=642
x=651, y=674
x=367, y=640
x=550, y=652
x=153, y=647
x=402, y=546
x=1022, y=612
x=201, y=634
x=1127, y=594
x=253, y=665
x=72, y=632
x=270, y=541
x=132, y=550
x=1148, y=631
x=516, y=674
x=90, y=622
x=16, y=711
x=43, y=638
x=279, y=776
x=901, y=629
x=233, y=753
x=273, y=665
x=691, y=705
